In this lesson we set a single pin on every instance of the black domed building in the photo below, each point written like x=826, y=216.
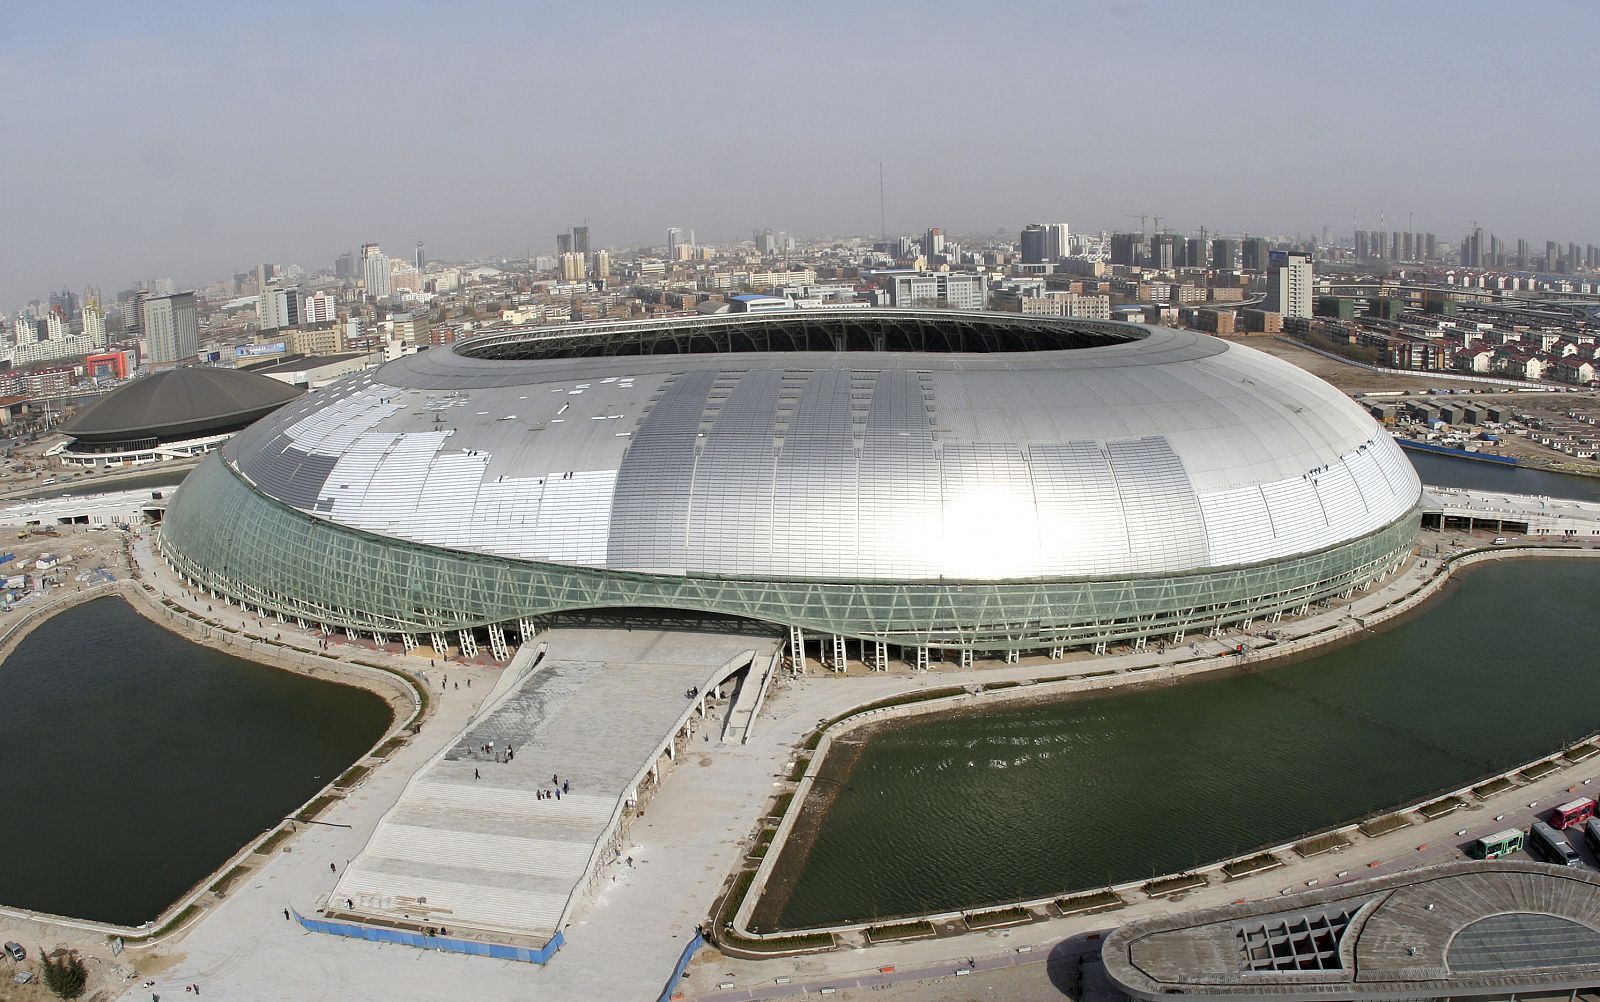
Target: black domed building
x=175, y=414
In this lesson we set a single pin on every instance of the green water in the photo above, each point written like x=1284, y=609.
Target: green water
x=136, y=762
x=951, y=811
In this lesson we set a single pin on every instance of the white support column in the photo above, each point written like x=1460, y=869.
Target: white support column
x=1138, y=643
x=408, y=641
x=441, y=646
x=303, y=625
x=966, y=657
x=1013, y=657
x=1277, y=616
x=922, y=658
x=469, y=643
x=797, y=648
x=1056, y=653
x=526, y=628
x=497, y=643
x=841, y=661
x=880, y=656
x=379, y=638
x=1100, y=647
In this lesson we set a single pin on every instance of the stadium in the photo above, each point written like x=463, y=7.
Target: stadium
x=879, y=482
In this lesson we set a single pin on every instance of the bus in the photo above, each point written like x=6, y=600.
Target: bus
x=1549, y=845
x=1499, y=844
x=1574, y=812
x=1591, y=833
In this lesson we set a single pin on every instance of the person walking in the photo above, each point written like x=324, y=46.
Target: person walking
x=286, y=914
x=333, y=868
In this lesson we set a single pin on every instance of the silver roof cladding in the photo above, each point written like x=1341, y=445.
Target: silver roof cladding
x=1167, y=453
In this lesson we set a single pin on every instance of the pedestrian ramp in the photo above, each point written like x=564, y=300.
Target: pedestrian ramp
x=479, y=843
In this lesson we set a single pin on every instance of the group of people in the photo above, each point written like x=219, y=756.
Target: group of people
x=559, y=786
x=504, y=755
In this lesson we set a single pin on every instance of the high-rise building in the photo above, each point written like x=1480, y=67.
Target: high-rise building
x=25, y=330
x=571, y=264
x=680, y=243
x=766, y=243
x=1290, y=283
x=580, y=240
x=1225, y=254
x=320, y=308
x=56, y=325
x=133, y=311
x=600, y=265
x=94, y=322
x=1362, y=252
x=1163, y=251
x=563, y=243
x=1522, y=254
x=375, y=271
x=278, y=307
x=1057, y=241
x=1254, y=251
x=1033, y=244
x=66, y=301
x=932, y=243
x=171, y=328
x=1196, y=254
x=1127, y=248
x=344, y=267
x=421, y=259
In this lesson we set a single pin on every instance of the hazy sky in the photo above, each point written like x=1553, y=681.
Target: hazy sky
x=193, y=140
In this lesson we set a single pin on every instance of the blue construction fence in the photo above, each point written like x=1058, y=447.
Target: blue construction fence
x=683, y=965
x=421, y=941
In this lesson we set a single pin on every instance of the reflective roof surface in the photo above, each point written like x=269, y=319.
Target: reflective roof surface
x=1168, y=453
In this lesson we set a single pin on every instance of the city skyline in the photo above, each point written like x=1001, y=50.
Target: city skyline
x=143, y=163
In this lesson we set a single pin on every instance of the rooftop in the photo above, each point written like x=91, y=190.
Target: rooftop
x=180, y=402
x=1459, y=929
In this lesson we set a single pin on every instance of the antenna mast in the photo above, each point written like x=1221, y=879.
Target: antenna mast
x=883, y=225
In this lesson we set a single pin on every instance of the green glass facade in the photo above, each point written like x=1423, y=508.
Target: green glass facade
x=227, y=537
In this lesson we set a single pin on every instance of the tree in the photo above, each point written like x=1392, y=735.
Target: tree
x=64, y=973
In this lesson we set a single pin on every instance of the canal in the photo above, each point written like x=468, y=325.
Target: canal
x=955, y=810
x=1445, y=471
x=136, y=762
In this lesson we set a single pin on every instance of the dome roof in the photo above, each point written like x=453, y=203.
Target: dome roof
x=180, y=403
x=1117, y=450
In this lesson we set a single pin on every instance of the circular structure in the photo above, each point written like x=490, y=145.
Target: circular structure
x=172, y=414
x=991, y=482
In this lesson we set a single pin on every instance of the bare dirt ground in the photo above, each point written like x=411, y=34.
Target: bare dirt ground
x=1348, y=378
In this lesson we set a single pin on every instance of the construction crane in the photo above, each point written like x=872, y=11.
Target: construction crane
x=1142, y=220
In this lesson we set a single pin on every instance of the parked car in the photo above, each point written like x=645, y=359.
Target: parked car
x=15, y=951
x=1499, y=540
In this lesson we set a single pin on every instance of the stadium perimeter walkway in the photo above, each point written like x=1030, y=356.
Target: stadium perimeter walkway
x=482, y=845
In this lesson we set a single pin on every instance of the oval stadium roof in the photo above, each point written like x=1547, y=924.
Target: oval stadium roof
x=1149, y=452
x=180, y=403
